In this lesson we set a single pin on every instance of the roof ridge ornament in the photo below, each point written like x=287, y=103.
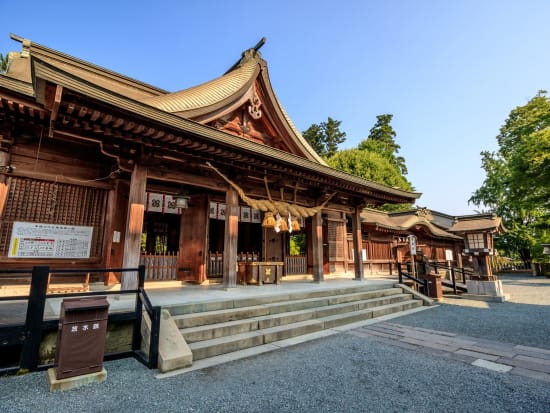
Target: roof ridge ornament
x=248, y=54
x=260, y=44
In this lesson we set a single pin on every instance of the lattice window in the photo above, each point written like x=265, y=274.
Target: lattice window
x=476, y=240
x=31, y=200
x=336, y=239
x=378, y=250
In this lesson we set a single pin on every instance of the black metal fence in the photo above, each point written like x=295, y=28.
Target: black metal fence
x=422, y=284
x=28, y=334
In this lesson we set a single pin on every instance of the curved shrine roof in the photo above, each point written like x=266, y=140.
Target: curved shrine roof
x=210, y=93
x=147, y=101
x=478, y=223
x=404, y=221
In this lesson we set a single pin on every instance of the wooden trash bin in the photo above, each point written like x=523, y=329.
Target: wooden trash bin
x=81, y=336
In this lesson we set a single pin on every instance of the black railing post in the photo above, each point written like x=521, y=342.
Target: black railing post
x=154, y=340
x=35, y=315
x=399, y=273
x=423, y=267
x=141, y=276
x=463, y=275
x=136, y=337
x=426, y=287
x=453, y=278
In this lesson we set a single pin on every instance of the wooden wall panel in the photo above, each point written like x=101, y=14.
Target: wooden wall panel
x=31, y=200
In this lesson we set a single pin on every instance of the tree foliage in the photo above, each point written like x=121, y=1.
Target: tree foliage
x=325, y=137
x=369, y=165
x=517, y=183
x=375, y=159
x=381, y=140
x=3, y=63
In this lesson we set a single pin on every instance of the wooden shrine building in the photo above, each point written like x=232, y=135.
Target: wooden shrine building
x=100, y=170
x=385, y=238
x=462, y=241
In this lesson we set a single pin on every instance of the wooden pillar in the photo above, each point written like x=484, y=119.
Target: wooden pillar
x=109, y=256
x=346, y=244
x=134, y=226
x=231, y=238
x=458, y=255
x=357, y=244
x=5, y=159
x=317, y=246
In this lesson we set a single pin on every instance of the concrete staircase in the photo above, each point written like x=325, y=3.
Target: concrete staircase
x=220, y=327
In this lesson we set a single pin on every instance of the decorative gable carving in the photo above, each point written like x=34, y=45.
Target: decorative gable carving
x=254, y=107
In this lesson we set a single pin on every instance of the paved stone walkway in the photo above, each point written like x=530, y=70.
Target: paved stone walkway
x=502, y=357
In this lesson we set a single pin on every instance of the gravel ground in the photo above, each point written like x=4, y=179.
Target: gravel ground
x=340, y=373
x=524, y=319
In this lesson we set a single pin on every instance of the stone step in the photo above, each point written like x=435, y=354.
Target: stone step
x=210, y=331
x=361, y=305
x=263, y=307
x=223, y=345
x=198, y=307
x=227, y=344
x=337, y=320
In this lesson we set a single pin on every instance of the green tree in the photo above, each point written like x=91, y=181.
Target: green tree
x=517, y=183
x=374, y=167
x=297, y=244
x=381, y=140
x=325, y=137
x=3, y=63
x=375, y=159
x=369, y=165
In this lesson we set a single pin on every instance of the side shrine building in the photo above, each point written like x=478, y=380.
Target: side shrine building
x=100, y=170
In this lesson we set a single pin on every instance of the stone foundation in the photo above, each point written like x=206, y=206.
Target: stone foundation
x=486, y=290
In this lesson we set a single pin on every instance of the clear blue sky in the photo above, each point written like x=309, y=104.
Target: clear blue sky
x=449, y=71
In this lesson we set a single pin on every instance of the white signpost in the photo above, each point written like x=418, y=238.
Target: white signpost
x=412, y=246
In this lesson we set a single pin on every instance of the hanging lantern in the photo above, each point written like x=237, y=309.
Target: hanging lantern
x=182, y=199
x=269, y=220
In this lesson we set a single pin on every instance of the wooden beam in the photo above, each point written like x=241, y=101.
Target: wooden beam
x=55, y=109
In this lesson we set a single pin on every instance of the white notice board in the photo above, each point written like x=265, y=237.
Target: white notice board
x=36, y=240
